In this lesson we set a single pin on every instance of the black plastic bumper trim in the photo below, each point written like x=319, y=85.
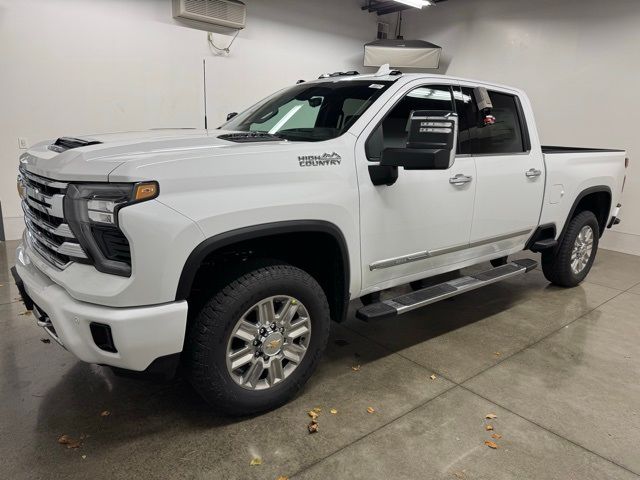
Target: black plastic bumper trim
x=26, y=299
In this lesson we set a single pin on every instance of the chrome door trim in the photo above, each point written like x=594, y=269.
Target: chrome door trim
x=414, y=257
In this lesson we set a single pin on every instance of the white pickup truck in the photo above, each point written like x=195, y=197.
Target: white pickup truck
x=230, y=250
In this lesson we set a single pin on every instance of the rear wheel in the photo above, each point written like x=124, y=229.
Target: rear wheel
x=258, y=340
x=571, y=262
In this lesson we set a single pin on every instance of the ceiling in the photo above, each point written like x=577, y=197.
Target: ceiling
x=383, y=7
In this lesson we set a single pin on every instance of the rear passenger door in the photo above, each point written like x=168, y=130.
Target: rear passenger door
x=510, y=176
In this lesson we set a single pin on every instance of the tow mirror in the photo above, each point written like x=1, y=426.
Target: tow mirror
x=431, y=145
x=231, y=115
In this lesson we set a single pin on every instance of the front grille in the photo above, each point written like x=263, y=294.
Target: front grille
x=47, y=230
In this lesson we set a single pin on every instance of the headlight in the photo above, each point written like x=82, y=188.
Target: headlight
x=91, y=211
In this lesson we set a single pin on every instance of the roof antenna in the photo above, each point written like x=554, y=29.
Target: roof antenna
x=204, y=83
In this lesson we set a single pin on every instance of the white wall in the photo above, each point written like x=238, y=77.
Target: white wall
x=80, y=66
x=578, y=60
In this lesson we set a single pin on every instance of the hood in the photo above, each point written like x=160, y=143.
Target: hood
x=94, y=157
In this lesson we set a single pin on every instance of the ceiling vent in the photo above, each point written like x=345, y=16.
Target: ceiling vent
x=220, y=16
x=402, y=54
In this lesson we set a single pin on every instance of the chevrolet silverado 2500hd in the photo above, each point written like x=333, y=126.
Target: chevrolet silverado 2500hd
x=230, y=250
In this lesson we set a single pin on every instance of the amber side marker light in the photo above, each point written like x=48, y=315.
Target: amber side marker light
x=146, y=191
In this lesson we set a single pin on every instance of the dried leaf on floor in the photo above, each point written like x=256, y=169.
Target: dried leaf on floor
x=313, y=426
x=317, y=409
x=312, y=414
x=488, y=427
x=105, y=413
x=26, y=312
x=497, y=354
x=491, y=416
x=497, y=436
x=45, y=340
x=355, y=368
x=282, y=477
x=433, y=376
x=255, y=461
x=69, y=442
x=491, y=444
x=333, y=411
x=371, y=410
x=461, y=475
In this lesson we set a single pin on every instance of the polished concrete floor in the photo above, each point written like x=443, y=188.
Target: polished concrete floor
x=560, y=369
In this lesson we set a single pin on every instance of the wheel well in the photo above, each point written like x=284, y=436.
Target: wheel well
x=320, y=254
x=597, y=202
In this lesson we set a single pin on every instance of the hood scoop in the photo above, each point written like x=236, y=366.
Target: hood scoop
x=67, y=143
x=250, y=137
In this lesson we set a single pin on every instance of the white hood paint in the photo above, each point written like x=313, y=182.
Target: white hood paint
x=96, y=162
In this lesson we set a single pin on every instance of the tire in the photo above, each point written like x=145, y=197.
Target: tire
x=498, y=262
x=212, y=337
x=557, y=264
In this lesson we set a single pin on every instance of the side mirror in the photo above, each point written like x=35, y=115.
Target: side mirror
x=431, y=145
x=231, y=115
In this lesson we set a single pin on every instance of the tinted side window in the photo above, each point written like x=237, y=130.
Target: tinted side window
x=504, y=136
x=395, y=126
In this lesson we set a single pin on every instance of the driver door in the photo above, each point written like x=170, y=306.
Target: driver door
x=422, y=222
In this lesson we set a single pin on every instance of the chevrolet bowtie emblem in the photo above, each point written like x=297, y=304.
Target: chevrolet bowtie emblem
x=273, y=344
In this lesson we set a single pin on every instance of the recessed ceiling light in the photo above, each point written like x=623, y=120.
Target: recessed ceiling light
x=416, y=3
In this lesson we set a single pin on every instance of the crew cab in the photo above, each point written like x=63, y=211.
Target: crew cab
x=228, y=251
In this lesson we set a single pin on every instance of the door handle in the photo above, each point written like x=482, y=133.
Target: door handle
x=533, y=173
x=460, y=179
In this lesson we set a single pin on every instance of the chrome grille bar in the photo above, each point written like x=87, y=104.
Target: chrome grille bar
x=48, y=233
x=61, y=230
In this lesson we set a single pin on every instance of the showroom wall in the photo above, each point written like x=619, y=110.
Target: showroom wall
x=113, y=65
x=577, y=59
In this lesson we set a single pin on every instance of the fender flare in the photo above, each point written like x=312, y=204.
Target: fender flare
x=581, y=195
x=210, y=245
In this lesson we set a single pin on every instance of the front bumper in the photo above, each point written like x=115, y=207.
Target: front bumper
x=140, y=334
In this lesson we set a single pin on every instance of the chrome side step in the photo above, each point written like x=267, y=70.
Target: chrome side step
x=442, y=291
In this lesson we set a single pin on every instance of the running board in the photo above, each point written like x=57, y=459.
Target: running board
x=427, y=296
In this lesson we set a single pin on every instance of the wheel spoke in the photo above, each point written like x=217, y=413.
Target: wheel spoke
x=276, y=372
x=293, y=352
x=241, y=357
x=246, y=331
x=253, y=374
x=298, y=331
x=288, y=312
x=266, y=313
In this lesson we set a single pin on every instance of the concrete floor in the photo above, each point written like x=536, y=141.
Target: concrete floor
x=560, y=369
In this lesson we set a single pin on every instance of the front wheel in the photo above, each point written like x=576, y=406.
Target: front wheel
x=572, y=261
x=258, y=340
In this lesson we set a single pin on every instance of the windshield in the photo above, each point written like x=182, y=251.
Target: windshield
x=310, y=112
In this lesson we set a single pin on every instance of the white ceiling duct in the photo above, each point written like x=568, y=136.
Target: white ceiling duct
x=402, y=53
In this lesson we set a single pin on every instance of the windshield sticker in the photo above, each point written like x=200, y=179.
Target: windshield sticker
x=376, y=86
